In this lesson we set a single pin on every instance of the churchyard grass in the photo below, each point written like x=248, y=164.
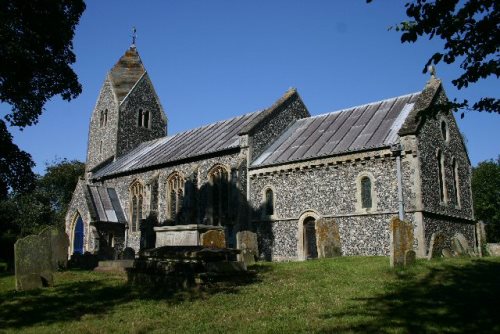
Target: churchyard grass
x=346, y=294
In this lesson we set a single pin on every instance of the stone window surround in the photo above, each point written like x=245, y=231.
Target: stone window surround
x=144, y=118
x=72, y=232
x=301, y=252
x=211, y=172
x=446, y=134
x=168, y=186
x=264, y=216
x=134, y=226
x=359, y=201
x=456, y=182
x=443, y=196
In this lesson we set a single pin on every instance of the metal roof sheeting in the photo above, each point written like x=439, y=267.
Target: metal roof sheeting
x=359, y=128
x=106, y=205
x=201, y=141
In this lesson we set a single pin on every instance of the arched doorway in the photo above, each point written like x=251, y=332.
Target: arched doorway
x=78, y=234
x=310, y=249
x=306, y=235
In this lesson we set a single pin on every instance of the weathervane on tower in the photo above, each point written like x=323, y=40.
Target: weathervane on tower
x=134, y=36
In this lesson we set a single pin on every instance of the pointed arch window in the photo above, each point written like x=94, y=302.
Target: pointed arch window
x=136, y=201
x=143, y=119
x=175, y=195
x=219, y=180
x=456, y=184
x=103, y=119
x=442, y=184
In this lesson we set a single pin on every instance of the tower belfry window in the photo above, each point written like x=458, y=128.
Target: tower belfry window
x=103, y=118
x=143, y=119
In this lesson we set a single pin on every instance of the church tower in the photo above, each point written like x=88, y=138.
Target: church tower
x=127, y=113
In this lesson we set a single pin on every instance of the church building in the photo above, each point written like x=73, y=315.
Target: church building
x=275, y=172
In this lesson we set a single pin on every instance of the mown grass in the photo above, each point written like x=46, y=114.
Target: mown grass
x=347, y=295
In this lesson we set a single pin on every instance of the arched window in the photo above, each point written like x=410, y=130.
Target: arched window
x=444, y=130
x=366, y=192
x=143, y=119
x=175, y=195
x=78, y=234
x=269, y=203
x=220, y=199
x=442, y=185
x=456, y=184
x=136, y=201
x=103, y=118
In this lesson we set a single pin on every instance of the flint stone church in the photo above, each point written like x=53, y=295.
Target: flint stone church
x=276, y=172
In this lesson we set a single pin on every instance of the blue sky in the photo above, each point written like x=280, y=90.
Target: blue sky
x=212, y=60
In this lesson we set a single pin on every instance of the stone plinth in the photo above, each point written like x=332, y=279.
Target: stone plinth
x=182, y=235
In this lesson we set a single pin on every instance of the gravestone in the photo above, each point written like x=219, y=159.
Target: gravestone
x=128, y=254
x=481, y=238
x=59, y=244
x=460, y=245
x=410, y=257
x=327, y=238
x=401, y=241
x=33, y=261
x=493, y=249
x=446, y=252
x=436, y=246
x=213, y=239
x=246, y=241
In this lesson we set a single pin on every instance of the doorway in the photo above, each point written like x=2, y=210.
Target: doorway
x=78, y=235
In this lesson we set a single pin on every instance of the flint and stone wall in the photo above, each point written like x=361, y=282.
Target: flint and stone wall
x=330, y=188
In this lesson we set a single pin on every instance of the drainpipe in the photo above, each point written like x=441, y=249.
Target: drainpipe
x=396, y=150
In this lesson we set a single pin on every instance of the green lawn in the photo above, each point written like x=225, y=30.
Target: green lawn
x=347, y=294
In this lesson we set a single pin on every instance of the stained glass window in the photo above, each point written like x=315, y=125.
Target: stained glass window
x=366, y=192
x=269, y=202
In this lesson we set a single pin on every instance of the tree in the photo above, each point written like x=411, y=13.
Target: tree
x=470, y=30
x=486, y=195
x=36, y=52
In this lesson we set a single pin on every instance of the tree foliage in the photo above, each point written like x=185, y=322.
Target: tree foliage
x=470, y=30
x=36, y=52
x=486, y=195
x=486, y=190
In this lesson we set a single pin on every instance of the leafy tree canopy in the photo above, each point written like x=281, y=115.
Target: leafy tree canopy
x=486, y=191
x=470, y=30
x=36, y=52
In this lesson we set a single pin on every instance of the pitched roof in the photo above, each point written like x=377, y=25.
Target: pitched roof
x=197, y=142
x=126, y=72
x=359, y=128
x=106, y=205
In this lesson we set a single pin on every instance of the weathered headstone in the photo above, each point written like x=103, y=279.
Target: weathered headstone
x=436, y=246
x=401, y=241
x=213, y=239
x=481, y=238
x=246, y=241
x=33, y=262
x=59, y=244
x=493, y=249
x=446, y=252
x=128, y=254
x=327, y=238
x=460, y=245
x=410, y=257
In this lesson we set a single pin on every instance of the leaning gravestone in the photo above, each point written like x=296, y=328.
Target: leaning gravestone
x=446, y=252
x=327, y=238
x=401, y=241
x=246, y=241
x=460, y=245
x=33, y=261
x=213, y=239
x=128, y=254
x=410, y=257
x=436, y=246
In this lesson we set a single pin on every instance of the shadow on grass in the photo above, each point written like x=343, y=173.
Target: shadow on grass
x=69, y=301
x=456, y=299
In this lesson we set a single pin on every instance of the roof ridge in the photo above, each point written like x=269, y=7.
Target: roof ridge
x=362, y=105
